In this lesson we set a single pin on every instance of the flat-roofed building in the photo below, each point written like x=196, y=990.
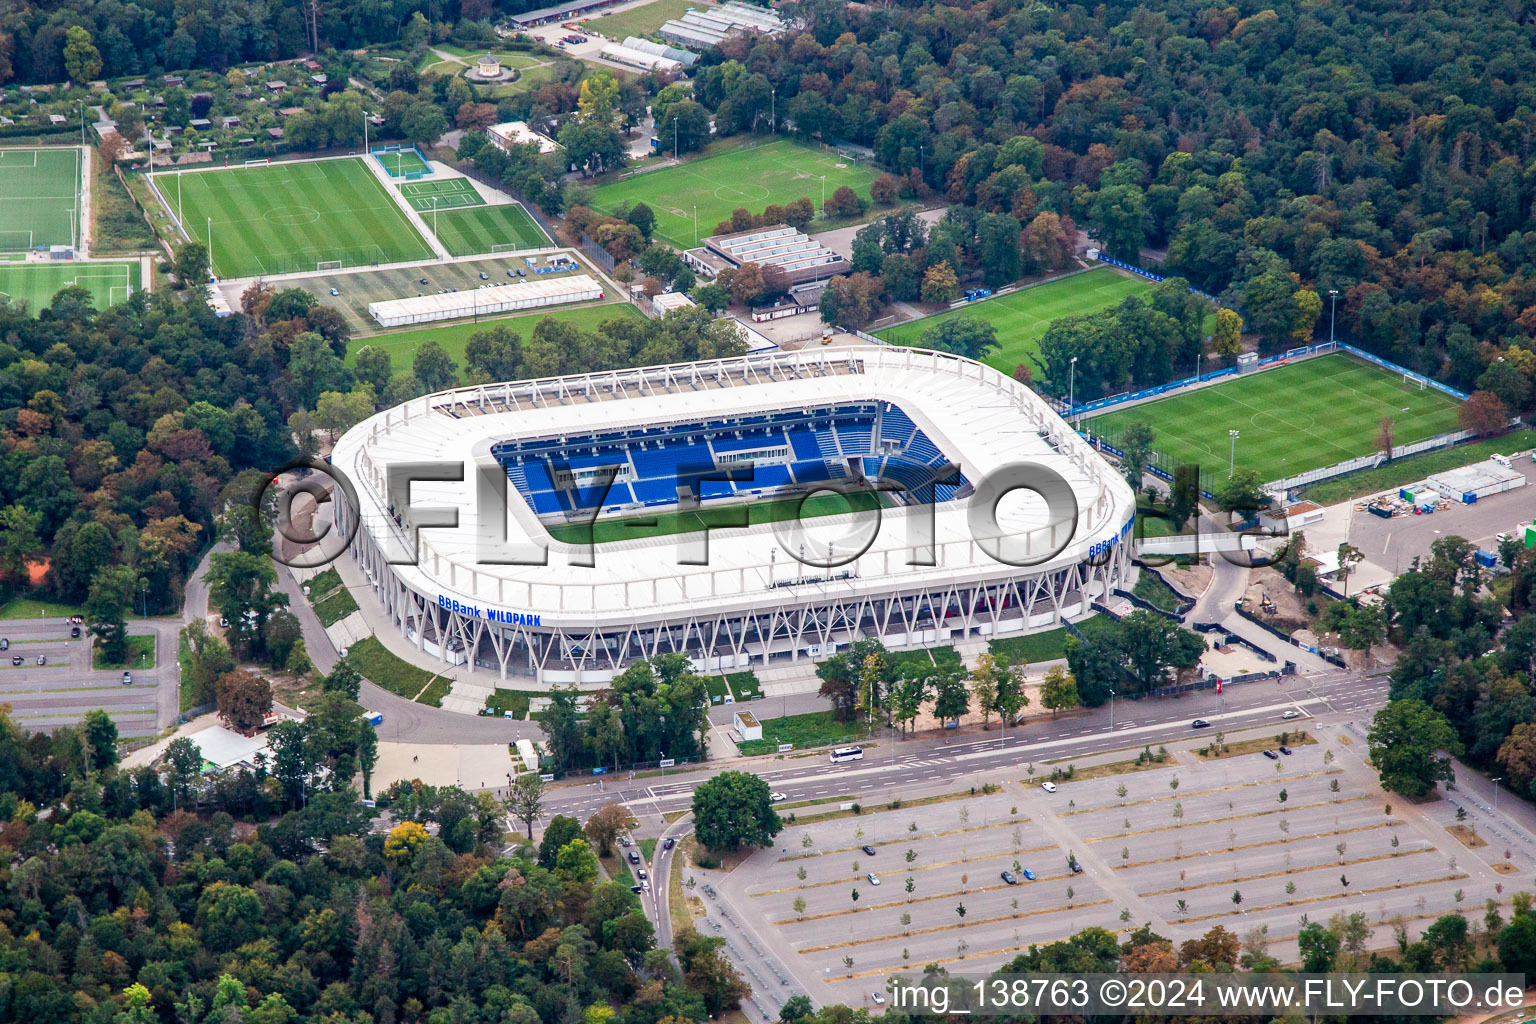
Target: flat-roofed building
x=800, y=257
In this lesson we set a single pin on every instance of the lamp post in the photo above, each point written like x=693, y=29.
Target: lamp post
x=695, y=225
x=773, y=109
x=823, y=195
x=1496, y=793
x=1111, y=710
x=1333, y=306
x=1072, y=388
x=1232, y=459
x=674, y=138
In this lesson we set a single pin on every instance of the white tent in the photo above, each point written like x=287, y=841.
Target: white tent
x=483, y=301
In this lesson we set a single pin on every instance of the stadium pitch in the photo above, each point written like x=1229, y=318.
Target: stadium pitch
x=775, y=172
x=1290, y=419
x=39, y=197
x=1022, y=317
x=482, y=229
x=718, y=517
x=288, y=217
x=37, y=283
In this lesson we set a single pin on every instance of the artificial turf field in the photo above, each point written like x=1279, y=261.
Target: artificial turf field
x=403, y=162
x=286, y=217
x=775, y=172
x=39, y=196
x=667, y=524
x=1022, y=317
x=440, y=194
x=37, y=283
x=480, y=230
x=1290, y=419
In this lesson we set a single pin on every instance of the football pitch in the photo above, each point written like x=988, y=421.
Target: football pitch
x=39, y=197
x=36, y=283
x=480, y=230
x=775, y=172
x=1022, y=317
x=286, y=217
x=667, y=524
x=403, y=162
x=440, y=194
x=1289, y=419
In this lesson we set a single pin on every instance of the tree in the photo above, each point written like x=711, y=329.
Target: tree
x=1136, y=442
x=424, y=123
x=940, y=284
x=106, y=611
x=19, y=539
x=1058, y=690
x=951, y=699
x=967, y=336
x=245, y=700
x=1243, y=491
x=608, y=823
x=99, y=734
x=844, y=202
x=433, y=367
x=81, y=58
x=733, y=809
x=984, y=686
x=191, y=267
x=1483, y=414
x=1406, y=740
x=1227, y=339
x=1384, y=437
x=526, y=801
x=1154, y=644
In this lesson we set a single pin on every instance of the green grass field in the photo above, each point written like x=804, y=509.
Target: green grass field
x=775, y=172
x=1290, y=419
x=402, y=346
x=642, y=21
x=1022, y=317
x=440, y=194
x=480, y=230
x=667, y=524
x=39, y=193
x=400, y=164
x=36, y=283
x=288, y=217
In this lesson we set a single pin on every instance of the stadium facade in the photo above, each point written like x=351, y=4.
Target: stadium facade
x=995, y=518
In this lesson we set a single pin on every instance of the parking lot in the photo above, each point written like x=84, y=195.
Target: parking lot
x=1241, y=841
x=60, y=692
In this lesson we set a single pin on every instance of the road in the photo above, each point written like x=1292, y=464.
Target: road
x=60, y=692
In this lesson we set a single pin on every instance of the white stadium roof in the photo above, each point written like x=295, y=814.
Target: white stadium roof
x=983, y=420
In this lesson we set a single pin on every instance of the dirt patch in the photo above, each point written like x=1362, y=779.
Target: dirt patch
x=1289, y=608
x=1504, y=867
x=1191, y=580
x=1468, y=838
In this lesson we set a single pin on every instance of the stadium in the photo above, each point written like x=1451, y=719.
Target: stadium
x=983, y=513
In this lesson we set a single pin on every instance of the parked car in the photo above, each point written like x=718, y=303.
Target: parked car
x=74, y=632
x=868, y=850
x=1010, y=878
x=1030, y=875
x=1271, y=755
x=1293, y=713
x=878, y=998
x=637, y=889
x=624, y=841
x=5, y=643
x=1199, y=723
x=874, y=879
x=1049, y=787
x=776, y=797
x=1286, y=751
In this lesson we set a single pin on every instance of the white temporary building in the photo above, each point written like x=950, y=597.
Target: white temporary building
x=687, y=58
x=223, y=748
x=631, y=57
x=1472, y=483
x=499, y=298
x=528, y=755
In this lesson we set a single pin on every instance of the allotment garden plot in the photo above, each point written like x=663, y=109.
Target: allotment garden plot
x=287, y=217
x=39, y=197
x=1191, y=844
x=1291, y=418
x=751, y=178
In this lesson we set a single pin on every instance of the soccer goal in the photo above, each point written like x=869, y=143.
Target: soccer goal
x=328, y=265
x=16, y=240
x=507, y=247
x=1410, y=381
x=264, y=161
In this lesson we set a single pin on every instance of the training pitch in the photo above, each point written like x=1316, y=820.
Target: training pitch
x=1022, y=317
x=440, y=194
x=482, y=229
x=36, y=283
x=287, y=217
x=1290, y=419
x=403, y=162
x=39, y=197
x=775, y=172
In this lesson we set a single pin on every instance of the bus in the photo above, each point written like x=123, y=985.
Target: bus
x=847, y=754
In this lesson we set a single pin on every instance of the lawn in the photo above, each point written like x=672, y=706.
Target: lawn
x=36, y=283
x=666, y=524
x=141, y=654
x=440, y=194
x=816, y=729
x=1033, y=647
x=402, y=346
x=1415, y=467
x=331, y=600
x=1289, y=419
x=289, y=217
x=516, y=701
x=39, y=197
x=29, y=608
x=1022, y=317
x=378, y=665
x=642, y=21
x=480, y=230
x=744, y=684
x=752, y=178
